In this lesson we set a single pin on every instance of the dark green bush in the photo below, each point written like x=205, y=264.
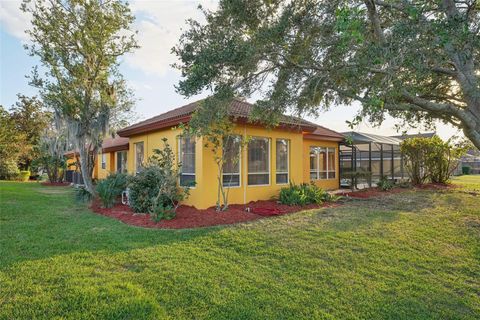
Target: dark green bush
x=155, y=189
x=385, y=183
x=303, y=194
x=466, y=170
x=111, y=188
x=431, y=159
x=143, y=188
x=82, y=195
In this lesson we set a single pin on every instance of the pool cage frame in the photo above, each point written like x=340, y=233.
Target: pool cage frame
x=376, y=156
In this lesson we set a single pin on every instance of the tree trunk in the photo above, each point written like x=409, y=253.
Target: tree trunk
x=474, y=135
x=85, y=169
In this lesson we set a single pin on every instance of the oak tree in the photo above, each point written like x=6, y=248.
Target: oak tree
x=418, y=61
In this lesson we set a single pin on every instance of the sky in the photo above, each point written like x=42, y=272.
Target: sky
x=148, y=70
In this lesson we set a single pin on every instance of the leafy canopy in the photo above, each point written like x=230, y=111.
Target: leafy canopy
x=79, y=43
x=30, y=118
x=417, y=61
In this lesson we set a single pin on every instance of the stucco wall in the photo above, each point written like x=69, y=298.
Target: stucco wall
x=328, y=184
x=204, y=194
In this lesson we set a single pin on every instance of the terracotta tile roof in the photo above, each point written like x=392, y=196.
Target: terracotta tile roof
x=324, y=133
x=238, y=109
x=108, y=145
x=115, y=144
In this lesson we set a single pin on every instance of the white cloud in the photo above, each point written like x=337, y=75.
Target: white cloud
x=13, y=20
x=159, y=25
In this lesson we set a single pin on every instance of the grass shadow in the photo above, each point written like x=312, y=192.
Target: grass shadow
x=363, y=213
x=63, y=226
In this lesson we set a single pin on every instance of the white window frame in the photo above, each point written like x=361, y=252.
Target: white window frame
x=334, y=163
x=327, y=171
x=288, y=162
x=239, y=168
x=116, y=160
x=104, y=161
x=135, y=155
x=268, y=161
x=179, y=140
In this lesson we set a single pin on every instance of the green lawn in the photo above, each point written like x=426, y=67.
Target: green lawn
x=414, y=255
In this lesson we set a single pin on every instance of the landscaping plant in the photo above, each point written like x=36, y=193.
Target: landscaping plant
x=385, y=183
x=430, y=159
x=303, y=194
x=212, y=122
x=155, y=188
x=82, y=195
x=466, y=170
x=111, y=188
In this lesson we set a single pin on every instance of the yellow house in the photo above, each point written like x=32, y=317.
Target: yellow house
x=296, y=150
x=112, y=157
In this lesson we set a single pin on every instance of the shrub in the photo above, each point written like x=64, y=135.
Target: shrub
x=82, y=195
x=111, y=188
x=385, y=183
x=430, y=159
x=143, y=187
x=8, y=169
x=155, y=189
x=303, y=194
x=466, y=170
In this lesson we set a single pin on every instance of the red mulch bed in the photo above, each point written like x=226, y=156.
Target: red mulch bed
x=190, y=217
x=55, y=184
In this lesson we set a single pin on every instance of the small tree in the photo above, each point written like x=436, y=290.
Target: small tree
x=415, y=152
x=444, y=159
x=212, y=122
x=79, y=43
x=30, y=118
x=51, y=151
x=12, y=145
x=431, y=159
x=169, y=195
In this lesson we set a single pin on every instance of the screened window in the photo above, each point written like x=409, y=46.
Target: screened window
x=122, y=161
x=187, y=158
x=139, y=156
x=282, y=158
x=331, y=163
x=231, y=165
x=322, y=163
x=104, y=160
x=259, y=161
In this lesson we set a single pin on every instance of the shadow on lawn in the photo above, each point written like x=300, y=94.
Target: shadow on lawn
x=362, y=213
x=38, y=224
